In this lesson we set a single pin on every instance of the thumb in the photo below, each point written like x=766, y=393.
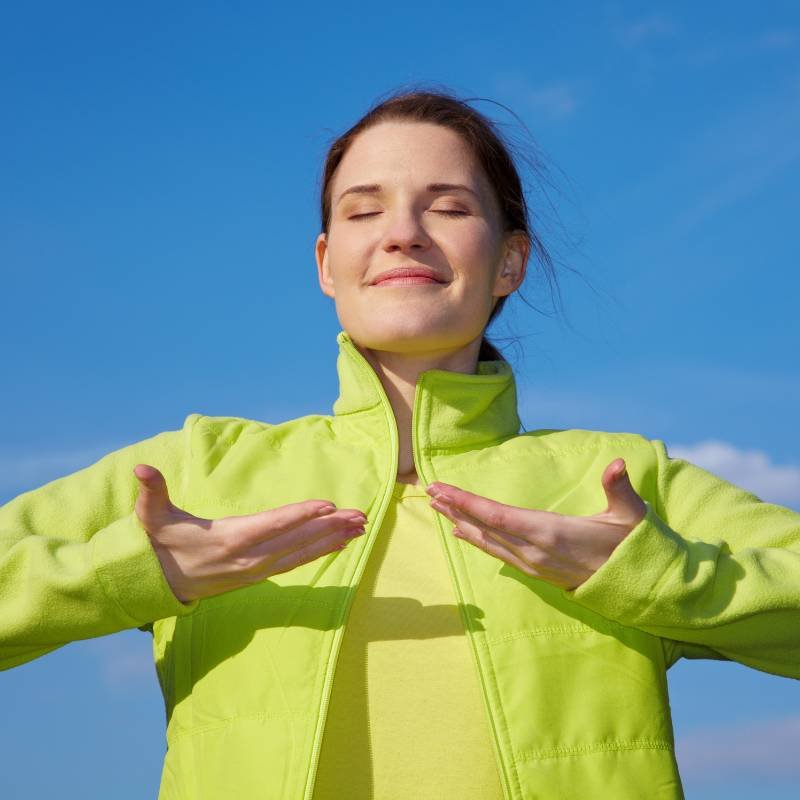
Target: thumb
x=153, y=499
x=622, y=497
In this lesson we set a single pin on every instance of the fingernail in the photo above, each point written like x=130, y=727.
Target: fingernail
x=325, y=510
x=357, y=518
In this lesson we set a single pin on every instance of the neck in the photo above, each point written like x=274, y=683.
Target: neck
x=451, y=408
x=399, y=372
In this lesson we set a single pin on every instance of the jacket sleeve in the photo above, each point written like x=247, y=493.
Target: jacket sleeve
x=76, y=562
x=710, y=566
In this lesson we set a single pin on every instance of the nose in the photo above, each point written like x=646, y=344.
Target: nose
x=405, y=231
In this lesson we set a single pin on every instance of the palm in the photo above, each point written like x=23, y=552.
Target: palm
x=561, y=549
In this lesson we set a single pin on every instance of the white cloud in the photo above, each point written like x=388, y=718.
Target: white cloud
x=778, y=39
x=641, y=30
x=21, y=472
x=718, y=166
x=125, y=659
x=555, y=99
x=764, y=749
x=751, y=469
x=740, y=182
x=706, y=47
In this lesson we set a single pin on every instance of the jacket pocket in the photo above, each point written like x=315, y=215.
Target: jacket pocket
x=573, y=688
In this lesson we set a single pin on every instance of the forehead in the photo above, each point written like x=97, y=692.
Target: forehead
x=408, y=154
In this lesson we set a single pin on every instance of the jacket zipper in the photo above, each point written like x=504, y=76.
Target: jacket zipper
x=326, y=689
x=374, y=532
x=507, y=794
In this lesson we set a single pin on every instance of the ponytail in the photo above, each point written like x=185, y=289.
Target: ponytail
x=489, y=352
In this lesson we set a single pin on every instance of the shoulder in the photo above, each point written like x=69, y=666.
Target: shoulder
x=569, y=453
x=563, y=441
x=207, y=430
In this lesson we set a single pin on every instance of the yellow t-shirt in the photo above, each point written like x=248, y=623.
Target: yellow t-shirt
x=406, y=717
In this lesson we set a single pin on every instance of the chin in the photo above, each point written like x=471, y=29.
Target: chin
x=407, y=337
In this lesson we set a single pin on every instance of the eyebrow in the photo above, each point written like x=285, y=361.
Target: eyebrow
x=376, y=188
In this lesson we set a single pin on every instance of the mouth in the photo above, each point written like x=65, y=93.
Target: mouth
x=407, y=280
x=407, y=275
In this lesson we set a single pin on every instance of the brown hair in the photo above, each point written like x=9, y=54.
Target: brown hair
x=489, y=148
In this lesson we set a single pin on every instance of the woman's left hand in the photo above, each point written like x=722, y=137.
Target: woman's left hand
x=560, y=549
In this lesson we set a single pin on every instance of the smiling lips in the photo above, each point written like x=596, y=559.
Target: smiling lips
x=407, y=275
x=408, y=280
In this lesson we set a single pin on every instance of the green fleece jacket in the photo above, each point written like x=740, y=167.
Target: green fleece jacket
x=573, y=682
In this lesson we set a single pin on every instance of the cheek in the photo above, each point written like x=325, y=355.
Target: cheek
x=358, y=236
x=473, y=296
x=346, y=267
x=472, y=249
x=344, y=246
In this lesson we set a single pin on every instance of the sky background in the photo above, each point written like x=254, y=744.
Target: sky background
x=160, y=173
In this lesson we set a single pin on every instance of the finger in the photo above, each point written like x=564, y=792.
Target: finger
x=496, y=549
x=302, y=536
x=153, y=493
x=316, y=516
x=290, y=558
x=466, y=522
x=500, y=551
x=623, y=501
x=531, y=524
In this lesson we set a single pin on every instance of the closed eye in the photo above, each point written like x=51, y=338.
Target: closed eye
x=447, y=211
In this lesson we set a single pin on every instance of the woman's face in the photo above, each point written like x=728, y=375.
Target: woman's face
x=405, y=222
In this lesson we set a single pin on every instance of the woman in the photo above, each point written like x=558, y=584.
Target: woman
x=525, y=658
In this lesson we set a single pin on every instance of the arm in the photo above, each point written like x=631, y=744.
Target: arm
x=76, y=562
x=710, y=566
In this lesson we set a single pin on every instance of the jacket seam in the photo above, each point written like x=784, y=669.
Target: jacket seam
x=566, y=630
x=512, y=767
x=243, y=431
x=654, y=506
x=357, y=411
x=222, y=723
x=503, y=735
x=511, y=778
x=189, y=451
x=108, y=587
x=484, y=444
x=661, y=579
x=548, y=451
x=259, y=602
x=516, y=789
x=601, y=747
x=626, y=443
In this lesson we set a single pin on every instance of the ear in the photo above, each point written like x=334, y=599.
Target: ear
x=513, y=265
x=323, y=271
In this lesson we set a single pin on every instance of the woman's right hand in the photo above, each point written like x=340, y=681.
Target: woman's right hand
x=205, y=557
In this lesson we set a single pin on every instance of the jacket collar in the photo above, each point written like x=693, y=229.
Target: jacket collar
x=451, y=409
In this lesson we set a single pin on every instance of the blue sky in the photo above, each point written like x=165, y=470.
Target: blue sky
x=160, y=171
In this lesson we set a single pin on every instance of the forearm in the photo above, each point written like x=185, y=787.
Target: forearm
x=709, y=564
x=75, y=561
